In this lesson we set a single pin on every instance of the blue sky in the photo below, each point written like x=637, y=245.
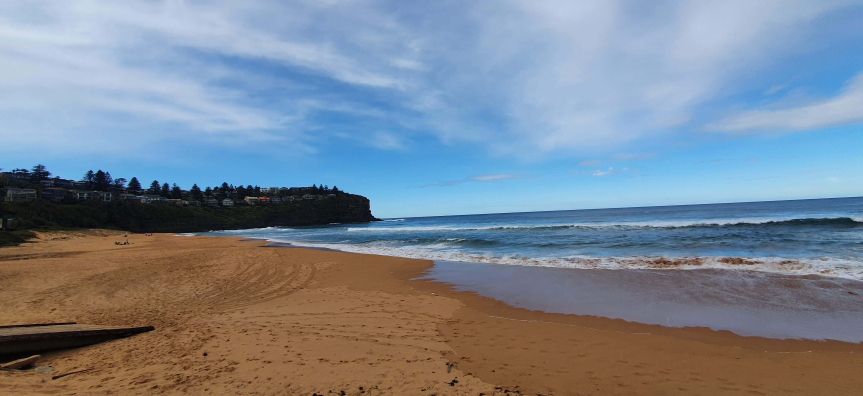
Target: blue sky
x=447, y=107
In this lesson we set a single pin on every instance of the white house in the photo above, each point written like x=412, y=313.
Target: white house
x=227, y=202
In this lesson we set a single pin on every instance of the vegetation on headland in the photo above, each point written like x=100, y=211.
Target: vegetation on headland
x=134, y=216
x=103, y=181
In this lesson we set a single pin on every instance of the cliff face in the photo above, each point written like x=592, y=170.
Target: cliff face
x=161, y=217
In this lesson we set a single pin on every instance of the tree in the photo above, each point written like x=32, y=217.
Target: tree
x=176, y=192
x=134, y=186
x=195, y=192
x=166, y=190
x=226, y=188
x=109, y=181
x=155, y=188
x=89, y=178
x=100, y=182
x=120, y=184
x=39, y=173
x=336, y=190
x=241, y=192
x=208, y=192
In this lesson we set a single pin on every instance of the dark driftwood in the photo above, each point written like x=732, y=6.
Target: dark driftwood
x=43, y=337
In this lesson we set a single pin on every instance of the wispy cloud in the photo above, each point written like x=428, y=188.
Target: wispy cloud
x=589, y=163
x=605, y=172
x=586, y=75
x=845, y=108
x=773, y=90
x=480, y=179
x=387, y=141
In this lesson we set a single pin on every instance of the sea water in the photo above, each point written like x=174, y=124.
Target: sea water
x=786, y=269
x=819, y=236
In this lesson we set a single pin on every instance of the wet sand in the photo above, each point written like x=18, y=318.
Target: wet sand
x=748, y=303
x=233, y=317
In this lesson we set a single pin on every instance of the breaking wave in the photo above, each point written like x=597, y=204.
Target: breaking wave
x=826, y=266
x=839, y=222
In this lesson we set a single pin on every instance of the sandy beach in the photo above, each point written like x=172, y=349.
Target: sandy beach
x=235, y=317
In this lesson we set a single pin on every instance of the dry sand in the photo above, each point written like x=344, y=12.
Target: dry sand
x=233, y=317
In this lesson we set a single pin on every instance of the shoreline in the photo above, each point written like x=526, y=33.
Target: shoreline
x=350, y=320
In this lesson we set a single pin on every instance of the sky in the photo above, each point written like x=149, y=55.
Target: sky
x=444, y=107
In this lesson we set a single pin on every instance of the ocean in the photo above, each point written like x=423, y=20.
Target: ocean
x=802, y=237
x=783, y=269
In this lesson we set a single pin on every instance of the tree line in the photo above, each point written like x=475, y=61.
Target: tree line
x=103, y=181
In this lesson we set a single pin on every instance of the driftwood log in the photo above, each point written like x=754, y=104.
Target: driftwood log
x=20, y=363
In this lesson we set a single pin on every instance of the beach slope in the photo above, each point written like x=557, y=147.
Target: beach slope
x=235, y=317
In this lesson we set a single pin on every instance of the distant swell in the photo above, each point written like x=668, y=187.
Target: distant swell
x=838, y=222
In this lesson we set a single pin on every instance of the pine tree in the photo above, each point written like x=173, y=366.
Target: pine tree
x=100, y=183
x=155, y=188
x=134, y=186
x=195, y=192
x=109, y=181
x=39, y=173
x=165, y=191
x=335, y=190
x=119, y=184
x=176, y=192
x=89, y=178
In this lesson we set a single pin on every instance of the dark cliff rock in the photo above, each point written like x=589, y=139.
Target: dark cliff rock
x=163, y=217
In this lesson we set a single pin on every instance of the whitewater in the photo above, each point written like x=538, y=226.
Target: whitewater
x=804, y=237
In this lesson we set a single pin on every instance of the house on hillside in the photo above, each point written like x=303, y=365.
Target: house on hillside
x=20, y=195
x=211, y=202
x=85, y=195
x=58, y=182
x=47, y=182
x=153, y=198
x=174, y=201
x=276, y=200
x=227, y=202
x=264, y=200
x=132, y=197
x=192, y=203
x=308, y=196
x=54, y=194
x=252, y=200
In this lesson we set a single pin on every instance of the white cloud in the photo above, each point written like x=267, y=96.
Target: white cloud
x=845, y=108
x=603, y=173
x=773, y=90
x=519, y=77
x=387, y=141
x=480, y=178
x=606, y=172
